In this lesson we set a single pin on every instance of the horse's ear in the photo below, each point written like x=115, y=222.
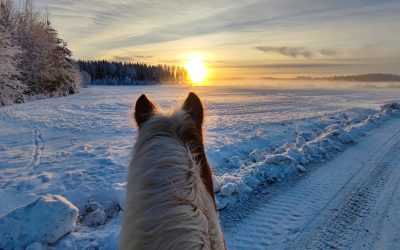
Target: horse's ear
x=194, y=107
x=144, y=110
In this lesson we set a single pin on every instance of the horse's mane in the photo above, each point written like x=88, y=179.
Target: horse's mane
x=170, y=188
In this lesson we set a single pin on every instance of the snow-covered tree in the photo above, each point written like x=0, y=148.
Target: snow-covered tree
x=33, y=55
x=59, y=73
x=11, y=89
x=8, y=53
x=8, y=50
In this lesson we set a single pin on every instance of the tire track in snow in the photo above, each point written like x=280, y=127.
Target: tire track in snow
x=281, y=219
x=342, y=227
x=360, y=215
x=386, y=234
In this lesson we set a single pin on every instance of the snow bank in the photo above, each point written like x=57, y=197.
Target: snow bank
x=43, y=221
x=310, y=146
x=316, y=142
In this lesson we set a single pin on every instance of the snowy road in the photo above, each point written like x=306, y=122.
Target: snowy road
x=349, y=202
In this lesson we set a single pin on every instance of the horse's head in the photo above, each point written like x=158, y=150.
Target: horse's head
x=185, y=124
x=170, y=198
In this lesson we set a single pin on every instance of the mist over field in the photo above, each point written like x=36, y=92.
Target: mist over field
x=304, y=84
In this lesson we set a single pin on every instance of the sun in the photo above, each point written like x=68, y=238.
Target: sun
x=196, y=69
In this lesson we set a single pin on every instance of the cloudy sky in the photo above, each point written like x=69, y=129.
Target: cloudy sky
x=238, y=39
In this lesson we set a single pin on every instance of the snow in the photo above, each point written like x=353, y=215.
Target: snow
x=120, y=193
x=323, y=142
x=34, y=246
x=80, y=146
x=45, y=220
x=346, y=203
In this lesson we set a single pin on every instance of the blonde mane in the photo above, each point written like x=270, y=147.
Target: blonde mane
x=168, y=203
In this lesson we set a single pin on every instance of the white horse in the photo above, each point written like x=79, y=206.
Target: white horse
x=170, y=199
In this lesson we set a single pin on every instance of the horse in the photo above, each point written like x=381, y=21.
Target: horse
x=170, y=201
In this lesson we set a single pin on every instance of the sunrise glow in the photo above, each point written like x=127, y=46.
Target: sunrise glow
x=196, y=69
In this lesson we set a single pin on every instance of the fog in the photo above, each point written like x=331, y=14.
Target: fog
x=303, y=84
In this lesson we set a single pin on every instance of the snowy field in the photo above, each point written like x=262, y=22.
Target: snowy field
x=79, y=146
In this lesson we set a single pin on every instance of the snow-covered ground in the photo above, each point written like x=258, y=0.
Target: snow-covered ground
x=350, y=202
x=79, y=146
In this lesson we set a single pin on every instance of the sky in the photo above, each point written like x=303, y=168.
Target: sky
x=237, y=39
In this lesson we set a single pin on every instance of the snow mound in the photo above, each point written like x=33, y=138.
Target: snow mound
x=327, y=139
x=43, y=221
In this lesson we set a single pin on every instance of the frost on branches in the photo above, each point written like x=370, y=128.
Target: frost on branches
x=34, y=61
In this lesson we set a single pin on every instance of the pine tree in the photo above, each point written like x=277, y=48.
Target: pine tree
x=59, y=70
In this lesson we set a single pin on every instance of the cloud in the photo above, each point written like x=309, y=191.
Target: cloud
x=145, y=57
x=123, y=58
x=130, y=58
x=300, y=29
x=293, y=52
x=223, y=16
x=328, y=52
x=292, y=65
x=296, y=52
x=172, y=61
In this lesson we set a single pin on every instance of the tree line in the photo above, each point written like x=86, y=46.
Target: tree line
x=118, y=73
x=374, y=77
x=34, y=61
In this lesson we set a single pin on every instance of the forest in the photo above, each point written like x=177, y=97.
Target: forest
x=118, y=73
